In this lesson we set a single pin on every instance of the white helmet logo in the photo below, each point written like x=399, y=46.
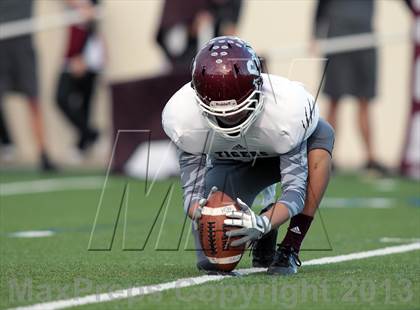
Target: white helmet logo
x=252, y=68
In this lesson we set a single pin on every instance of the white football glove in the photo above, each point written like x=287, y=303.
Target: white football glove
x=253, y=226
x=201, y=204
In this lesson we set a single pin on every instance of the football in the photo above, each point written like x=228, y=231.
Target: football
x=212, y=232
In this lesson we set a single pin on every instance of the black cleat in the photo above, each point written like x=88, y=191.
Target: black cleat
x=377, y=169
x=87, y=140
x=286, y=261
x=264, y=249
x=45, y=163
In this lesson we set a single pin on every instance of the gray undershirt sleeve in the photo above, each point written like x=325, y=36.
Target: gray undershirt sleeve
x=192, y=169
x=294, y=174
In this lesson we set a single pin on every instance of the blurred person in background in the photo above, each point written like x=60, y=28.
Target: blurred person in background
x=226, y=16
x=350, y=73
x=83, y=61
x=187, y=24
x=410, y=162
x=6, y=145
x=18, y=73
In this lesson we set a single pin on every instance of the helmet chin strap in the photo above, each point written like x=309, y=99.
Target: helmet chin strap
x=226, y=122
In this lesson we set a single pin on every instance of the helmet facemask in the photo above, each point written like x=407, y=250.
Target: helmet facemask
x=216, y=110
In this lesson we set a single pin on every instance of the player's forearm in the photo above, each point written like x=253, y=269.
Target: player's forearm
x=192, y=169
x=277, y=215
x=294, y=175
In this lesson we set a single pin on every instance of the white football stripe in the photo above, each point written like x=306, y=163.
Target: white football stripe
x=218, y=211
x=224, y=260
x=185, y=282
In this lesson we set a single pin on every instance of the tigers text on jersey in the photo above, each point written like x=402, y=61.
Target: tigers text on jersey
x=288, y=118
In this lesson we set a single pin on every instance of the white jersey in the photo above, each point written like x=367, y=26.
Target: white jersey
x=288, y=118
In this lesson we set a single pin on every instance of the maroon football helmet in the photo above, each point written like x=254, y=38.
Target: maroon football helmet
x=226, y=77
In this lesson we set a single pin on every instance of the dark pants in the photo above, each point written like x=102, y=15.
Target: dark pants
x=74, y=96
x=18, y=73
x=4, y=132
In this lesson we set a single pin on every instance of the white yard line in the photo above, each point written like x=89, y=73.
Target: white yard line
x=347, y=203
x=50, y=185
x=185, y=282
x=398, y=240
x=31, y=234
x=361, y=255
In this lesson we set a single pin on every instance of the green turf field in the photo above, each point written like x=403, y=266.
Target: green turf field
x=141, y=238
